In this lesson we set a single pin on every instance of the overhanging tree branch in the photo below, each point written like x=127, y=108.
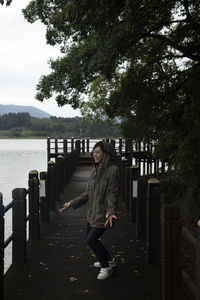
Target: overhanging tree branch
x=183, y=49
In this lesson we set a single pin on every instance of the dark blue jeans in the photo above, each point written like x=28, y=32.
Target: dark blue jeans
x=92, y=237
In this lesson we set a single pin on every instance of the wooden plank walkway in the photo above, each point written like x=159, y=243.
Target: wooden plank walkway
x=60, y=265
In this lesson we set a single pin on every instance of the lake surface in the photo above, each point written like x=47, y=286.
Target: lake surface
x=17, y=158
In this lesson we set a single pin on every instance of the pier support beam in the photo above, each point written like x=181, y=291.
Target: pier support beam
x=34, y=222
x=19, y=226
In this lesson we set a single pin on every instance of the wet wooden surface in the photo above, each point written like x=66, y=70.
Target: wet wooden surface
x=60, y=265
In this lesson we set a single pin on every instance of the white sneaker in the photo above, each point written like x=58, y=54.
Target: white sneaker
x=112, y=263
x=105, y=273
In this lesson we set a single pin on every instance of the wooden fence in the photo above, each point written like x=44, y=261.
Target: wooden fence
x=40, y=198
x=161, y=227
x=133, y=153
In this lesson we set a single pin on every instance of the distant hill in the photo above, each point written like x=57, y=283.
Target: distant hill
x=33, y=111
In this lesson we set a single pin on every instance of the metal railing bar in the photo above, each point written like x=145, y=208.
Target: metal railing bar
x=7, y=207
x=8, y=241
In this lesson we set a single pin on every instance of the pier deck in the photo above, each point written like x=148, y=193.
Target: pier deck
x=60, y=265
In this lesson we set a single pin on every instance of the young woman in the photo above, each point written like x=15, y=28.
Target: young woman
x=101, y=196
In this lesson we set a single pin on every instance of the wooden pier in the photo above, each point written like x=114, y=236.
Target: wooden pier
x=59, y=265
x=55, y=262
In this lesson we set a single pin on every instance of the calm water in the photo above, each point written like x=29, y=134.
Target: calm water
x=17, y=158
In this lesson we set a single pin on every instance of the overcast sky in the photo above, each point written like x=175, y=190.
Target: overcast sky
x=23, y=59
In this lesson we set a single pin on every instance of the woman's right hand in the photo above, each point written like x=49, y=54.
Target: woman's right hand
x=65, y=206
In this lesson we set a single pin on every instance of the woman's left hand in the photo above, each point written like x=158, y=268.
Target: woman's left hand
x=109, y=220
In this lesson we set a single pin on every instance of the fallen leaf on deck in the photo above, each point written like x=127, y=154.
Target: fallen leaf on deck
x=137, y=272
x=73, y=279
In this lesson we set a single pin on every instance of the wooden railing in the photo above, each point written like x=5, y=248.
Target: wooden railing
x=66, y=145
x=135, y=153
x=161, y=226
x=40, y=198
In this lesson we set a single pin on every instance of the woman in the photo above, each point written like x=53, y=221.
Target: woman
x=101, y=196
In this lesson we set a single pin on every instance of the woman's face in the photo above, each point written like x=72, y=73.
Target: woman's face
x=97, y=154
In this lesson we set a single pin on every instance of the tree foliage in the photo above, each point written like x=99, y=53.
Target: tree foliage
x=11, y=120
x=23, y=125
x=155, y=47
x=7, y=2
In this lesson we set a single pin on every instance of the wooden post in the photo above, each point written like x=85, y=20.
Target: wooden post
x=65, y=161
x=153, y=221
x=48, y=148
x=171, y=253
x=34, y=222
x=44, y=205
x=120, y=145
x=162, y=167
x=141, y=209
x=138, y=161
x=127, y=187
x=51, y=185
x=65, y=143
x=198, y=262
x=19, y=226
x=72, y=144
x=83, y=146
x=134, y=175
x=149, y=161
x=60, y=173
x=78, y=146
x=112, y=142
x=128, y=145
x=2, y=230
x=123, y=168
x=118, y=161
x=56, y=146
x=144, y=160
x=88, y=145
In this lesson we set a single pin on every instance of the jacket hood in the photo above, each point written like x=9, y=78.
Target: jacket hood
x=108, y=159
x=110, y=149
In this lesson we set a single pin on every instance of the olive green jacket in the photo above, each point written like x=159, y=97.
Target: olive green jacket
x=102, y=192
